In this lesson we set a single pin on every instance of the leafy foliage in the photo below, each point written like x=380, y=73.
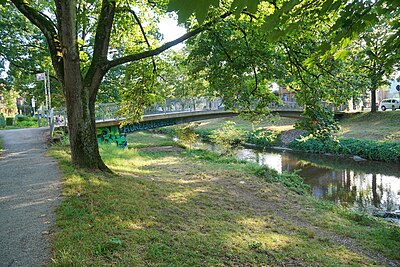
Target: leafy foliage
x=319, y=122
x=261, y=137
x=186, y=133
x=2, y=121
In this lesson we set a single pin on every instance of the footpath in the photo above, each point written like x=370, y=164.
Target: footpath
x=30, y=184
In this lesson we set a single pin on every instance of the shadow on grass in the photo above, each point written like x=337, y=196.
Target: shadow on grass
x=169, y=209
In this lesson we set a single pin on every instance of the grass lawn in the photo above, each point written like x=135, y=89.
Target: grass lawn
x=182, y=208
x=377, y=126
x=279, y=124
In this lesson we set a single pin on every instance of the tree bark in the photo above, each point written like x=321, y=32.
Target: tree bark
x=373, y=100
x=80, y=110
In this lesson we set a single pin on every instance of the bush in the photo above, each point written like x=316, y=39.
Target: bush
x=27, y=122
x=9, y=121
x=22, y=118
x=368, y=149
x=228, y=136
x=2, y=121
x=186, y=134
x=262, y=138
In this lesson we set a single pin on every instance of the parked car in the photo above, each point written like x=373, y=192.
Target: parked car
x=393, y=103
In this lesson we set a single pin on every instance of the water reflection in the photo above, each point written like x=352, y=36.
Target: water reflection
x=367, y=185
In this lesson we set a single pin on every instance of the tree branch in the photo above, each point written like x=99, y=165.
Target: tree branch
x=96, y=70
x=47, y=28
x=166, y=46
x=23, y=67
x=144, y=36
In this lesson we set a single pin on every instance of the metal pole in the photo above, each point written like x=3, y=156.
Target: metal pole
x=48, y=88
x=45, y=90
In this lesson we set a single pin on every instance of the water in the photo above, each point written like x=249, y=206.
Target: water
x=367, y=185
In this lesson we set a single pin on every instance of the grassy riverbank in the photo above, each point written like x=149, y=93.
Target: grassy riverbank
x=384, y=126
x=167, y=206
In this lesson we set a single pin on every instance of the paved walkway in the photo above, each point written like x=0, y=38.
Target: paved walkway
x=30, y=185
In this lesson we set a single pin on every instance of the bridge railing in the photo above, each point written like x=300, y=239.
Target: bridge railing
x=108, y=111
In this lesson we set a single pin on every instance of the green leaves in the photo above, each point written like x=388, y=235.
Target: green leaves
x=200, y=9
x=185, y=8
x=239, y=5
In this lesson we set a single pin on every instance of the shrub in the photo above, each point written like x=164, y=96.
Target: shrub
x=2, y=121
x=26, y=122
x=22, y=118
x=262, y=138
x=9, y=121
x=186, y=133
x=227, y=137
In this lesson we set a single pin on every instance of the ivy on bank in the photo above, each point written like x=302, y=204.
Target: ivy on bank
x=368, y=149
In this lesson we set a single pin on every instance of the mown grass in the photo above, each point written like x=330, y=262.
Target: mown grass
x=197, y=209
x=147, y=139
x=375, y=126
x=278, y=124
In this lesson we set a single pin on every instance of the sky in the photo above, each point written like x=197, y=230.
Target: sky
x=170, y=29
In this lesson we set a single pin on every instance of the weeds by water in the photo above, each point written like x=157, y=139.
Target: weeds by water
x=368, y=149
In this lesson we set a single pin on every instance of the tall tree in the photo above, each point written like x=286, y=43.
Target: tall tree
x=79, y=35
x=378, y=58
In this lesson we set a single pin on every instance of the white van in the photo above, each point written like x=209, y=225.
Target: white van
x=393, y=103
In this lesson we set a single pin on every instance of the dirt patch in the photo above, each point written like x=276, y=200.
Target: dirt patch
x=290, y=135
x=161, y=149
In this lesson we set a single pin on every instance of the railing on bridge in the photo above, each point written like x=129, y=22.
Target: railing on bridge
x=109, y=111
x=106, y=112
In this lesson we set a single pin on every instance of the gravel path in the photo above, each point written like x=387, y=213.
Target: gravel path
x=30, y=184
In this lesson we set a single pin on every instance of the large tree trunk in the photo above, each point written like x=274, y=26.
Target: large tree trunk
x=80, y=110
x=373, y=100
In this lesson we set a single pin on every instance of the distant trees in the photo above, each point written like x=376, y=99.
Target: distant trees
x=10, y=102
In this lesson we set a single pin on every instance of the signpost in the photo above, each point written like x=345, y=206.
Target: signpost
x=44, y=76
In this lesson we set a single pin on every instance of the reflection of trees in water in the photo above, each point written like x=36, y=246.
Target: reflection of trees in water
x=341, y=163
x=340, y=180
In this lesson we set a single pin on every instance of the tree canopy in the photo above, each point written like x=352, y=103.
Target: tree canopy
x=238, y=48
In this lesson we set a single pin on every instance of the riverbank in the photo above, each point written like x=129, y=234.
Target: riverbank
x=372, y=136
x=174, y=207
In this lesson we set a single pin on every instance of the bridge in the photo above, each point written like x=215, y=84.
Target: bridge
x=172, y=112
x=109, y=129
